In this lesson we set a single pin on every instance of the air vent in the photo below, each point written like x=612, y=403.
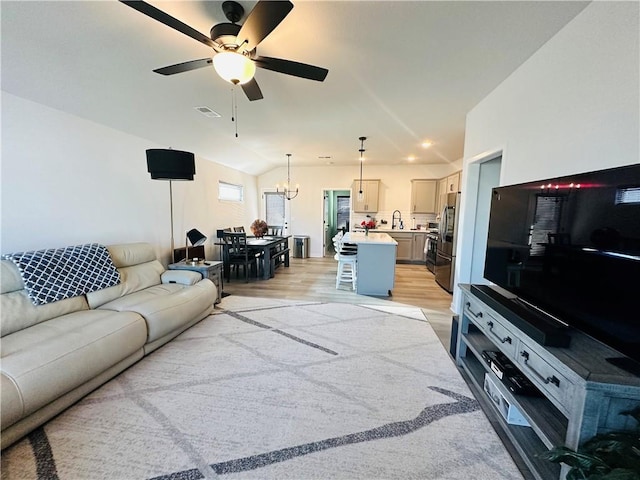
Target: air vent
x=207, y=112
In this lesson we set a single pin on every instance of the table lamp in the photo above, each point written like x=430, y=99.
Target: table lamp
x=196, y=238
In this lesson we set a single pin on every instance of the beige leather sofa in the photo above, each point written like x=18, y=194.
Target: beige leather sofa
x=52, y=355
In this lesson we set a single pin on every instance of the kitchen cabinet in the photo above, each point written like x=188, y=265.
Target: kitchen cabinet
x=410, y=245
x=405, y=245
x=449, y=184
x=423, y=196
x=417, y=250
x=370, y=193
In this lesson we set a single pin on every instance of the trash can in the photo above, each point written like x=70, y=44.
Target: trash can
x=301, y=246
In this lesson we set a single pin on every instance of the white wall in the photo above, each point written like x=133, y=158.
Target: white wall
x=572, y=107
x=306, y=208
x=67, y=181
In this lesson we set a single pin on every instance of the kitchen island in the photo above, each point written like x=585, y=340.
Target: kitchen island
x=376, y=262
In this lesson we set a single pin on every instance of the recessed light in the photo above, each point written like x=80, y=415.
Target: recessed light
x=411, y=158
x=426, y=144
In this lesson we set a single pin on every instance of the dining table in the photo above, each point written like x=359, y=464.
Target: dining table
x=267, y=247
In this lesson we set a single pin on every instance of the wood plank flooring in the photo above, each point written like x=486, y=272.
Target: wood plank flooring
x=314, y=279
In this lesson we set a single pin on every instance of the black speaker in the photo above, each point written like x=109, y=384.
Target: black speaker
x=165, y=164
x=454, y=336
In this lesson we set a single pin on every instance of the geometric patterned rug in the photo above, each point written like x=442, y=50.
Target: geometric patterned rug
x=277, y=389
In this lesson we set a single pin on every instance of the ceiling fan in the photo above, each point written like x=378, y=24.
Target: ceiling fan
x=235, y=57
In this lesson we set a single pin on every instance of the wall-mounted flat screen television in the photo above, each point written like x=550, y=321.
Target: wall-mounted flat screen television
x=570, y=246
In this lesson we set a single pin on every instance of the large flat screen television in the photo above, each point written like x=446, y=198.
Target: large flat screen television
x=570, y=247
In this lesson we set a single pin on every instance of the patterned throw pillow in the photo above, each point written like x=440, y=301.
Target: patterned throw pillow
x=55, y=274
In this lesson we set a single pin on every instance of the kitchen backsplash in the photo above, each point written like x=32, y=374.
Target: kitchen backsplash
x=418, y=220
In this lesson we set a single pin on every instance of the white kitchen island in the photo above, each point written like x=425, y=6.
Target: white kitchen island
x=376, y=258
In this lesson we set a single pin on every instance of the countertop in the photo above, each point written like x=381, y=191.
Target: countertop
x=393, y=231
x=374, y=237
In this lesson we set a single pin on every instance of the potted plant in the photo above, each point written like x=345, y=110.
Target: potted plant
x=368, y=224
x=607, y=456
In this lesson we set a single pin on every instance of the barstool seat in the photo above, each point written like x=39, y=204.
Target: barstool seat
x=347, y=262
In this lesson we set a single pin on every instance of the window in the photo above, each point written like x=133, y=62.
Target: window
x=230, y=191
x=274, y=208
x=628, y=195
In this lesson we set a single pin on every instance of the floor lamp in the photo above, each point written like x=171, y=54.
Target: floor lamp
x=167, y=164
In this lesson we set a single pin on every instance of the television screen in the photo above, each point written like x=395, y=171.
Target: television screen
x=570, y=246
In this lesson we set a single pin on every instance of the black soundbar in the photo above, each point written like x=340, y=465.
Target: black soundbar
x=541, y=328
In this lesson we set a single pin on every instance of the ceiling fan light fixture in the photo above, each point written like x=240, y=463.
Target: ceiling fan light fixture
x=234, y=67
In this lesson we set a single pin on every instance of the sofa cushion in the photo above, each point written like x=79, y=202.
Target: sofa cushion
x=16, y=309
x=167, y=307
x=128, y=254
x=133, y=279
x=41, y=363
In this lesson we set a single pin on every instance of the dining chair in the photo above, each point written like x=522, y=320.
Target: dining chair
x=238, y=229
x=239, y=254
x=275, y=230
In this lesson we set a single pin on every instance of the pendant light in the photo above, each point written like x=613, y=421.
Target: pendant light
x=360, y=193
x=286, y=191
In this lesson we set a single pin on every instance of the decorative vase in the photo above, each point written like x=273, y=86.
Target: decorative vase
x=366, y=232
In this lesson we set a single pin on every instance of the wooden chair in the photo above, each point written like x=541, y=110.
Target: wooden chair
x=238, y=254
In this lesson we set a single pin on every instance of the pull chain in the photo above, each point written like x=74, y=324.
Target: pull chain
x=234, y=109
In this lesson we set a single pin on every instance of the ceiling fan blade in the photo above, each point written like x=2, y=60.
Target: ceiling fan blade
x=290, y=67
x=168, y=20
x=184, y=67
x=252, y=90
x=264, y=17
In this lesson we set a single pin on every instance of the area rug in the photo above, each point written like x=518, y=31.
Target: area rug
x=276, y=389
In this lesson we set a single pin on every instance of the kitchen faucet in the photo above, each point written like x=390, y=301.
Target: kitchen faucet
x=393, y=219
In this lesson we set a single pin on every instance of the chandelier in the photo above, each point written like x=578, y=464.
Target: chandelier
x=286, y=191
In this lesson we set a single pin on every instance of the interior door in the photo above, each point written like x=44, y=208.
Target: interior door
x=326, y=224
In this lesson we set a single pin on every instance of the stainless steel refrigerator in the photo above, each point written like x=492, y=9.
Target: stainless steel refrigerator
x=446, y=249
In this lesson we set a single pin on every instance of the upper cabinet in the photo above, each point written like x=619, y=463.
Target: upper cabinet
x=423, y=196
x=453, y=183
x=370, y=193
x=446, y=185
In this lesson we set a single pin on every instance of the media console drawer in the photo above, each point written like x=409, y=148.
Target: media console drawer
x=544, y=376
x=493, y=328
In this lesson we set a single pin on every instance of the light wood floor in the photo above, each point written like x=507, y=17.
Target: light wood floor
x=314, y=279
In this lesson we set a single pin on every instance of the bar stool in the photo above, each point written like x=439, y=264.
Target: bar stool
x=347, y=265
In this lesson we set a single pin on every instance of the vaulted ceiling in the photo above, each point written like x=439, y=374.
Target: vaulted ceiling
x=400, y=73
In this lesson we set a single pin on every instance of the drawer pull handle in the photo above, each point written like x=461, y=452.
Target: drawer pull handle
x=477, y=315
x=502, y=340
x=552, y=379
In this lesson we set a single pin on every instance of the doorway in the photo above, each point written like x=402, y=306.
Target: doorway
x=337, y=207
x=489, y=177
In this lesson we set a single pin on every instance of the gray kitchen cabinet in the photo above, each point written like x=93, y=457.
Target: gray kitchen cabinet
x=580, y=394
x=410, y=245
x=417, y=250
x=423, y=196
x=370, y=194
x=405, y=245
x=446, y=185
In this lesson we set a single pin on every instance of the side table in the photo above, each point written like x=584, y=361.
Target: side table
x=208, y=269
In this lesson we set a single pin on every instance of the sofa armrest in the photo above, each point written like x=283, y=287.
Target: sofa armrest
x=184, y=277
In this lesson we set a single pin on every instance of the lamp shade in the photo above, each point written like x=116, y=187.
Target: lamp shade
x=234, y=67
x=196, y=237
x=167, y=164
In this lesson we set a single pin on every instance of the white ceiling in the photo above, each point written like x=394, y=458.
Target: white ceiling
x=399, y=73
